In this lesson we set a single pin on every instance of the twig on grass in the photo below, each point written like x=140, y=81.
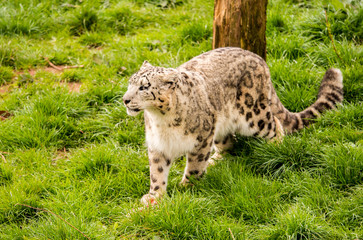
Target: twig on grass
x=69, y=5
x=3, y=157
x=63, y=67
x=76, y=66
x=48, y=211
x=52, y=65
x=331, y=36
x=231, y=233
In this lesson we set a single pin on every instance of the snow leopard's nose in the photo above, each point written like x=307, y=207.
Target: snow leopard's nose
x=126, y=101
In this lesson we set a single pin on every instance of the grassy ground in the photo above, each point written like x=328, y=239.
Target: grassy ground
x=68, y=146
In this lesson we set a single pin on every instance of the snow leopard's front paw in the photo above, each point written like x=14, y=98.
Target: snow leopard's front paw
x=185, y=182
x=149, y=199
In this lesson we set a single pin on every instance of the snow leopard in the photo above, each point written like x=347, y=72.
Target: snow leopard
x=197, y=108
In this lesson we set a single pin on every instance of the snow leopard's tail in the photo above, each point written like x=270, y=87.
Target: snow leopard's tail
x=330, y=93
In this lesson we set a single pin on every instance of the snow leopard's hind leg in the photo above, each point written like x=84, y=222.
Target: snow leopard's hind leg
x=221, y=145
x=268, y=127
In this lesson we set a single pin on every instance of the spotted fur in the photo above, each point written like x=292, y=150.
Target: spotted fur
x=200, y=105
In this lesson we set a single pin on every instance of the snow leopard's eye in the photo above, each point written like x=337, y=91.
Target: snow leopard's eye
x=143, y=88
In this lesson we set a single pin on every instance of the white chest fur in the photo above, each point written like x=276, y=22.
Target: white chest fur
x=165, y=138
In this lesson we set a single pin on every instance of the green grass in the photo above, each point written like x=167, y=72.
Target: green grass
x=78, y=154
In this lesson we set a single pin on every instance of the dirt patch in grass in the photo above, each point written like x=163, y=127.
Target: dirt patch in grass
x=4, y=115
x=52, y=69
x=59, y=155
x=72, y=86
x=5, y=89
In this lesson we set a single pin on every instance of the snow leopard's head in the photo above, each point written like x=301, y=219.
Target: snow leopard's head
x=150, y=88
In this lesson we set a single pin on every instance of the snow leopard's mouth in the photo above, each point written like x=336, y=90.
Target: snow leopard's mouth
x=133, y=111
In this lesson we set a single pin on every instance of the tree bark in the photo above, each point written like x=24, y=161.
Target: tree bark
x=240, y=23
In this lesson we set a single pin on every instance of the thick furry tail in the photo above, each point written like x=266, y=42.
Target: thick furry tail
x=330, y=94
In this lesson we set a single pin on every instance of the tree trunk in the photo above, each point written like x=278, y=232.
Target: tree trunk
x=240, y=23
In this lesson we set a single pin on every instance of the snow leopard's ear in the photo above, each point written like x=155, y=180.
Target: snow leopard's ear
x=146, y=64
